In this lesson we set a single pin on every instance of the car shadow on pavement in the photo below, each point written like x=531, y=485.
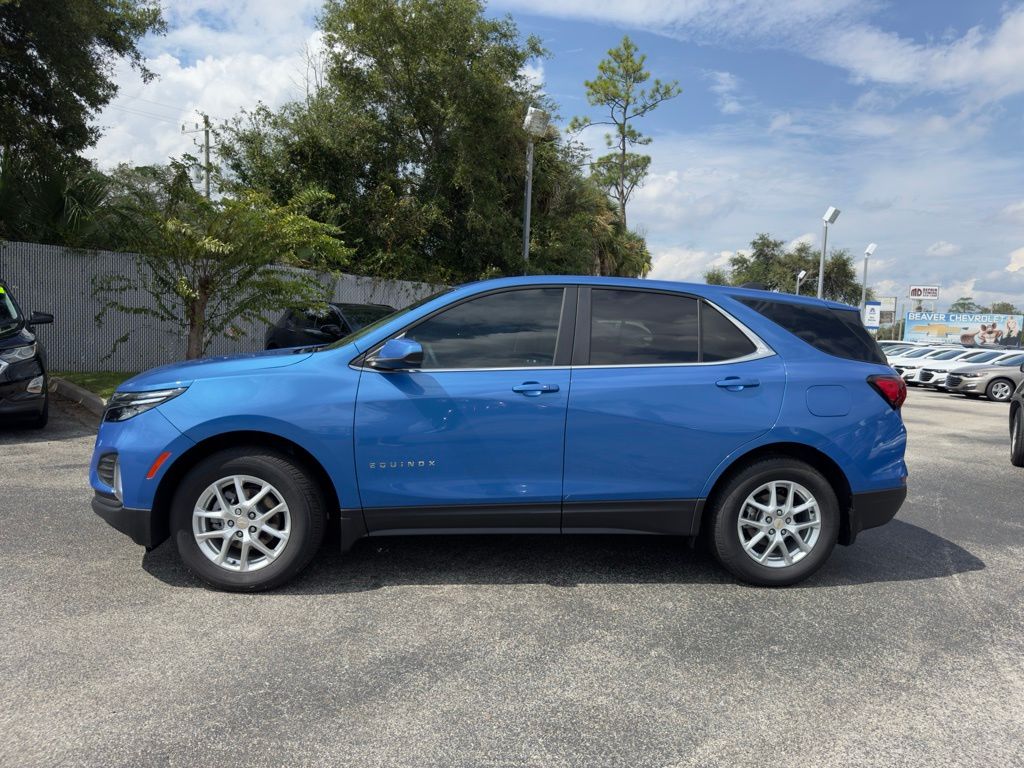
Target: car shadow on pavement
x=67, y=421
x=897, y=552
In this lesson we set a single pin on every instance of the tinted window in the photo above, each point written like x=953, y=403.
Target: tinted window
x=982, y=357
x=920, y=352
x=1015, y=360
x=642, y=328
x=836, y=332
x=720, y=339
x=10, y=318
x=513, y=329
x=358, y=315
x=948, y=355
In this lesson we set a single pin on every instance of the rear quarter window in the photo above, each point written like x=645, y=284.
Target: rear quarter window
x=837, y=332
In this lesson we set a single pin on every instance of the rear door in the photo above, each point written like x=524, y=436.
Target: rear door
x=664, y=386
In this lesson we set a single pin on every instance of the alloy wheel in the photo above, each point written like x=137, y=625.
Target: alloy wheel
x=1001, y=391
x=779, y=524
x=241, y=523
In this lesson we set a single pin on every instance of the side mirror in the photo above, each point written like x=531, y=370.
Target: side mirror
x=40, y=318
x=397, y=355
x=332, y=330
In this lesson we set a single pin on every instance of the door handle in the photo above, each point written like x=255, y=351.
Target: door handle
x=736, y=383
x=534, y=388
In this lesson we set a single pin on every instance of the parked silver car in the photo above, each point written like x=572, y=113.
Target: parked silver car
x=996, y=382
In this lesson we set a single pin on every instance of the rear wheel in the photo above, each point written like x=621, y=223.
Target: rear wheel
x=1017, y=439
x=1000, y=390
x=775, y=523
x=248, y=519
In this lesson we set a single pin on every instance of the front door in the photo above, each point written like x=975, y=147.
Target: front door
x=475, y=438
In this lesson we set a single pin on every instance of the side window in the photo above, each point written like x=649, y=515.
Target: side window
x=720, y=339
x=513, y=329
x=641, y=328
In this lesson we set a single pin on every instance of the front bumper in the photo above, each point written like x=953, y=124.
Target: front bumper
x=15, y=400
x=137, y=524
x=962, y=384
x=872, y=509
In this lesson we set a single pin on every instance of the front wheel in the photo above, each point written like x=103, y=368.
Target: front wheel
x=1000, y=390
x=775, y=523
x=247, y=520
x=1017, y=439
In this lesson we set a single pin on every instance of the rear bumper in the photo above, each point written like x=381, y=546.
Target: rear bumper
x=872, y=509
x=137, y=524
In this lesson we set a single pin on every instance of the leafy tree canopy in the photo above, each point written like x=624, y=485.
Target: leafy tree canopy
x=211, y=266
x=415, y=129
x=769, y=263
x=56, y=70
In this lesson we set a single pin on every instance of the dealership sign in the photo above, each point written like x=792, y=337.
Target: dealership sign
x=872, y=315
x=924, y=292
x=971, y=328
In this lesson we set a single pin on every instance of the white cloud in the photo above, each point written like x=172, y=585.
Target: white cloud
x=143, y=123
x=1013, y=213
x=685, y=264
x=943, y=249
x=807, y=238
x=534, y=72
x=1016, y=261
x=725, y=85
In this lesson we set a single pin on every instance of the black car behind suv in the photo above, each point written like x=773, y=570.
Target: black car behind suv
x=23, y=382
x=303, y=329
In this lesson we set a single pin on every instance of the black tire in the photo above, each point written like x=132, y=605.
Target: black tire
x=1000, y=394
x=725, y=539
x=1017, y=439
x=300, y=492
x=43, y=418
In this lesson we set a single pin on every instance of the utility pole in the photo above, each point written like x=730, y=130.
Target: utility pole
x=205, y=130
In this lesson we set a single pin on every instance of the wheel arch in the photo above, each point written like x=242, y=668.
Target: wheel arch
x=988, y=387
x=164, y=495
x=809, y=455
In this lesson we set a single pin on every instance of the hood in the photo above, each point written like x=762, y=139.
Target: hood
x=183, y=374
x=17, y=338
x=988, y=368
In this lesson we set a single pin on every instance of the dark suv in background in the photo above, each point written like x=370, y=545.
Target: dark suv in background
x=23, y=382
x=307, y=329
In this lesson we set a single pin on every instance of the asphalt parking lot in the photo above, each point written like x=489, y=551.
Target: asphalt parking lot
x=906, y=649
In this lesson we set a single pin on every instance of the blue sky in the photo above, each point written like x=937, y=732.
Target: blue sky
x=905, y=115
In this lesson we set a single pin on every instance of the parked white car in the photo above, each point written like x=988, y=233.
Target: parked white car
x=913, y=359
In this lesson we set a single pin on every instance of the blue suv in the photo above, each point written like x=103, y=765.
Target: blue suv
x=768, y=423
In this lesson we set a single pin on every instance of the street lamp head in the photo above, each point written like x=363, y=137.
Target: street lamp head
x=830, y=215
x=870, y=250
x=536, y=122
x=801, y=274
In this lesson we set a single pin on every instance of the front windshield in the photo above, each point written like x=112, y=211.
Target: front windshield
x=10, y=317
x=948, y=355
x=982, y=357
x=366, y=329
x=1015, y=360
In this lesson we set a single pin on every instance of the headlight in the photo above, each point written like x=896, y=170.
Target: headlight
x=969, y=375
x=125, y=405
x=14, y=354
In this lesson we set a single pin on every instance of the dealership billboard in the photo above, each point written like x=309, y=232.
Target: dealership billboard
x=923, y=292
x=971, y=328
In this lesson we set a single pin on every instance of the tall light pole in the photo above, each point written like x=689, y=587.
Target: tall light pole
x=868, y=253
x=829, y=218
x=799, y=279
x=536, y=126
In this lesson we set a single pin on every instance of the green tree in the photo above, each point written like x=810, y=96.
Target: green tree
x=208, y=266
x=619, y=89
x=415, y=128
x=770, y=264
x=1003, y=308
x=56, y=70
x=966, y=304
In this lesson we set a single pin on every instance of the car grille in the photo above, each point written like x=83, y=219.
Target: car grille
x=105, y=468
x=953, y=381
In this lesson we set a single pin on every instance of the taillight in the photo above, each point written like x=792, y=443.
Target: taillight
x=893, y=389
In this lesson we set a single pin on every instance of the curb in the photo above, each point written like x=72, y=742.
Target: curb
x=76, y=394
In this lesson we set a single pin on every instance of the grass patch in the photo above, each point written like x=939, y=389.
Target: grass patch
x=103, y=383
